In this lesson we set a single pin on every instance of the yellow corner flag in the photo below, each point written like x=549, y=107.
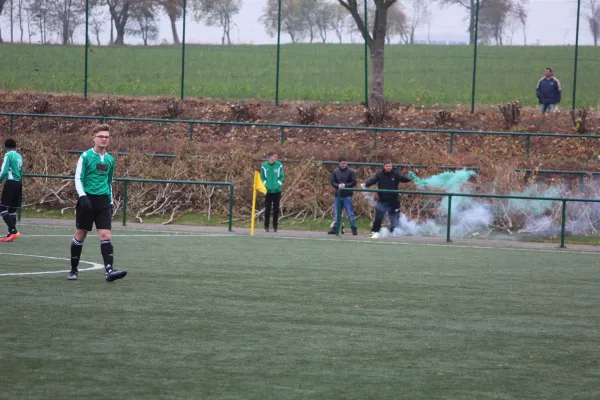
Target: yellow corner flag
x=258, y=185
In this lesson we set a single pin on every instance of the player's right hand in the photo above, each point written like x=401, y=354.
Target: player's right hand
x=84, y=201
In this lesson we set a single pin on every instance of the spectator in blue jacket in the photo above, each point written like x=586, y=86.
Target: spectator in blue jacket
x=548, y=91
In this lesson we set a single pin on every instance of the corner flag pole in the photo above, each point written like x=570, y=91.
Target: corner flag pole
x=253, y=207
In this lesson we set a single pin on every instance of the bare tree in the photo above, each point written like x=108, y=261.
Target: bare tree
x=324, y=14
x=97, y=20
x=592, y=17
x=67, y=15
x=375, y=41
x=492, y=21
x=218, y=13
x=396, y=25
x=520, y=13
x=339, y=19
x=292, y=19
x=41, y=14
x=174, y=10
x=20, y=16
x=120, y=12
x=2, y=3
x=471, y=7
x=418, y=13
x=144, y=23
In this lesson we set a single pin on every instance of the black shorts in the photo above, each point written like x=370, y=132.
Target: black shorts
x=100, y=215
x=12, y=196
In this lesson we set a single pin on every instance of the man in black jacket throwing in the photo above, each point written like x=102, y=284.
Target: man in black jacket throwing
x=389, y=203
x=343, y=177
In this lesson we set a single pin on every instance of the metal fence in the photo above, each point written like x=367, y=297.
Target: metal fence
x=126, y=182
x=374, y=131
x=458, y=65
x=563, y=201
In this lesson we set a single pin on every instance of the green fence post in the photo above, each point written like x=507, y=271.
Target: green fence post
x=451, y=142
x=183, y=52
x=476, y=36
x=231, y=207
x=581, y=182
x=562, y=224
x=338, y=215
x=375, y=139
x=449, y=218
x=191, y=131
x=366, y=34
x=576, y=55
x=19, y=214
x=278, y=51
x=281, y=134
x=12, y=125
x=125, y=202
x=87, y=44
x=527, y=145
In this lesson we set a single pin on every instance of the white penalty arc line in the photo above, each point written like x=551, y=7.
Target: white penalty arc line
x=94, y=266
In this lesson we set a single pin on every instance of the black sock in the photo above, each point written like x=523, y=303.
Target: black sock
x=14, y=220
x=76, y=247
x=106, y=248
x=9, y=222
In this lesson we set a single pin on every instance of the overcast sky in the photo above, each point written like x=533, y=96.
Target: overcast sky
x=551, y=22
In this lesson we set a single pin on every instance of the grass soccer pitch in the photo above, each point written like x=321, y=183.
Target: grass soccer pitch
x=228, y=316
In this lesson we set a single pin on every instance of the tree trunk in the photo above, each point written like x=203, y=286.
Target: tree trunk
x=21, y=19
x=174, y=29
x=11, y=22
x=112, y=37
x=377, y=72
x=120, y=28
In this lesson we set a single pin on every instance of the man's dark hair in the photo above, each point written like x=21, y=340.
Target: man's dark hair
x=342, y=159
x=10, y=144
x=550, y=69
x=101, y=128
x=271, y=153
x=388, y=162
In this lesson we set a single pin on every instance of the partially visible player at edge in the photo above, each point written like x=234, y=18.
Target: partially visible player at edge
x=93, y=182
x=12, y=194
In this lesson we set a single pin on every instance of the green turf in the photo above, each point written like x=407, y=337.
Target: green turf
x=330, y=72
x=274, y=318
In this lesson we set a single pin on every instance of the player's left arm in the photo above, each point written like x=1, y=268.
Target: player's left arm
x=281, y=175
x=5, y=167
x=403, y=178
x=111, y=170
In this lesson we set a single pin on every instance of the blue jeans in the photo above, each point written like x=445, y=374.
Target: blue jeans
x=392, y=209
x=347, y=205
x=547, y=107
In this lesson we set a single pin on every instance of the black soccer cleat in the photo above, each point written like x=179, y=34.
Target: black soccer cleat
x=114, y=275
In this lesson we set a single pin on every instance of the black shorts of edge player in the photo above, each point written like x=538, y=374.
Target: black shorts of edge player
x=12, y=196
x=99, y=214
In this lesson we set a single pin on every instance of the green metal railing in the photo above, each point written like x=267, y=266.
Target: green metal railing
x=126, y=182
x=563, y=200
x=282, y=127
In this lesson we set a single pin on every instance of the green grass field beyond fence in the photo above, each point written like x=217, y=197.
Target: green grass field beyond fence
x=329, y=72
x=234, y=317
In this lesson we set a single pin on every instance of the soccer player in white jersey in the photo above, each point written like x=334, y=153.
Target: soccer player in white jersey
x=93, y=182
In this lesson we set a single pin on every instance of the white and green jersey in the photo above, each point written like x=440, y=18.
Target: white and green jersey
x=94, y=174
x=12, y=167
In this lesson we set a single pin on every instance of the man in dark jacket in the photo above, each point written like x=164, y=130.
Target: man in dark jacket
x=548, y=91
x=343, y=177
x=389, y=203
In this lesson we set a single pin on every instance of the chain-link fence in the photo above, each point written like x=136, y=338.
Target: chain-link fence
x=436, y=52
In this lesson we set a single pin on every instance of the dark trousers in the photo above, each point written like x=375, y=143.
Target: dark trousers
x=392, y=208
x=272, y=200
